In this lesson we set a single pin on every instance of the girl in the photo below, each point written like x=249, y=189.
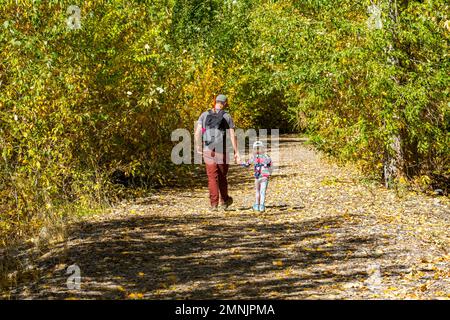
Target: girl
x=263, y=169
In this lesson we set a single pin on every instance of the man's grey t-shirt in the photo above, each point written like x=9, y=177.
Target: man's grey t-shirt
x=202, y=122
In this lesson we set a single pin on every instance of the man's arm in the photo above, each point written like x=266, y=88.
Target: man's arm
x=233, y=137
x=198, y=138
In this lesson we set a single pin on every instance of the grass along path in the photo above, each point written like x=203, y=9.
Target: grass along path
x=325, y=235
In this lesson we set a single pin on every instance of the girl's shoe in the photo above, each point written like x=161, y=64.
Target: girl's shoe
x=255, y=207
x=262, y=208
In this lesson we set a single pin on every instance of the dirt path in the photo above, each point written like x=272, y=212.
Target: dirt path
x=325, y=235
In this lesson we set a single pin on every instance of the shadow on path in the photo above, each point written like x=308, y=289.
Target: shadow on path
x=198, y=257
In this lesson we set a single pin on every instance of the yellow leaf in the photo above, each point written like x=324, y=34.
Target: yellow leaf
x=273, y=294
x=278, y=263
x=220, y=286
x=135, y=296
x=288, y=271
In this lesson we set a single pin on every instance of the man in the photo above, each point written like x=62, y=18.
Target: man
x=214, y=126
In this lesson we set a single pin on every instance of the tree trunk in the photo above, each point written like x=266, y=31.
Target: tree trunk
x=393, y=156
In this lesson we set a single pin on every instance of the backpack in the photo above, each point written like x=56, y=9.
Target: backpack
x=215, y=130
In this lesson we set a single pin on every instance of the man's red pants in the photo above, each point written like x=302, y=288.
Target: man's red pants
x=217, y=165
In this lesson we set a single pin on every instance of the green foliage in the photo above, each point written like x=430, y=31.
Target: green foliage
x=78, y=105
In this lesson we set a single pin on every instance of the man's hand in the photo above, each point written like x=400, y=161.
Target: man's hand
x=199, y=150
x=237, y=157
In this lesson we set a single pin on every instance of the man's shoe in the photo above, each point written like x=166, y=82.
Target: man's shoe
x=262, y=208
x=255, y=207
x=213, y=208
x=227, y=203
